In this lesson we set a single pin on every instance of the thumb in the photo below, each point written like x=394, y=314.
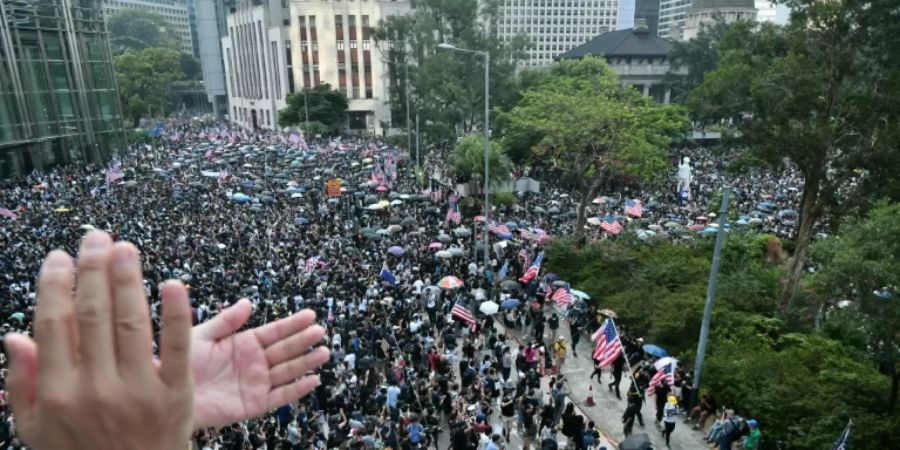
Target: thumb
x=22, y=380
x=225, y=323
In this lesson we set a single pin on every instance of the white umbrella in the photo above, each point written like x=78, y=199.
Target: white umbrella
x=445, y=254
x=594, y=221
x=383, y=231
x=662, y=362
x=394, y=228
x=455, y=251
x=490, y=308
x=396, y=202
x=374, y=206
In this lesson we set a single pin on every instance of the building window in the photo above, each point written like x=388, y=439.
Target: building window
x=315, y=46
x=338, y=21
x=353, y=44
x=340, y=46
x=366, y=45
x=351, y=20
x=312, y=22
x=268, y=118
x=368, y=92
x=355, y=92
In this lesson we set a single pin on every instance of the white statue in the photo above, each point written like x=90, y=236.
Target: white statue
x=684, y=175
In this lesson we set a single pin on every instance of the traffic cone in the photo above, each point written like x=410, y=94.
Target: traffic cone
x=590, y=398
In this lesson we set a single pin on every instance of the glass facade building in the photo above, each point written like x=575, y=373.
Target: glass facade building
x=58, y=99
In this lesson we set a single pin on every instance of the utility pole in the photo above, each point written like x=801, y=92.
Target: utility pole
x=406, y=92
x=417, y=149
x=710, y=296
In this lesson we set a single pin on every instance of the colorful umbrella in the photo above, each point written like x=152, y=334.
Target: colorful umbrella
x=450, y=282
x=435, y=246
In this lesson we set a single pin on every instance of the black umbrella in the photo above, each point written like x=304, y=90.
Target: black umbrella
x=636, y=442
x=511, y=285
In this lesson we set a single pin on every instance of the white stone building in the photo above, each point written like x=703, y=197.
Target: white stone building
x=706, y=12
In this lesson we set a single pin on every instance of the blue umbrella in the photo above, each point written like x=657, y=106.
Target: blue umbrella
x=710, y=230
x=512, y=225
x=510, y=303
x=580, y=294
x=241, y=198
x=742, y=221
x=302, y=221
x=788, y=214
x=395, y=250
x=359, y=194
x=765, y=206
x=655, y=350
x=757, y=214
x=505, y=235
x=247, y=184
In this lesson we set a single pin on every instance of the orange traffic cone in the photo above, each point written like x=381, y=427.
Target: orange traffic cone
x=590, y=398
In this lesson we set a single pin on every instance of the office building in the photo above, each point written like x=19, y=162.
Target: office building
x=58, y=99
x=210, y=29
x=175, y=12
x=706, y=12
x=557, y=26
x=672, y=16
x=331, y=42
x=648, y=10
x=257, y=58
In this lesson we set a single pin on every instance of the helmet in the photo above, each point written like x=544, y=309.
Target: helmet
x=673, y=400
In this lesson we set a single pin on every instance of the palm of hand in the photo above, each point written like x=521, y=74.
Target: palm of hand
x=241, y=376
x=233, y=377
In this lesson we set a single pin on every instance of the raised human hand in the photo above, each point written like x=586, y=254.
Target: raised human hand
x=89, y=381
x=241, y=376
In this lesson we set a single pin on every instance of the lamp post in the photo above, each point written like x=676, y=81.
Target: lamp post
x=487, y=139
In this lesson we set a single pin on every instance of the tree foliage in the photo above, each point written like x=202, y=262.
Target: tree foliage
x=143, y=78
x=809, y=94
x=467, y=159
x=592, y=128
x=138, y=29
x=446, y=88
x=322, y=103
x=691, y=60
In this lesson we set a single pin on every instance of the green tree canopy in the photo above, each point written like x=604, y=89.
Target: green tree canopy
x=137, y=29
x=808, y=94
x=143, y=78
x=593, y=129
x=322, y=103
x=468, y=160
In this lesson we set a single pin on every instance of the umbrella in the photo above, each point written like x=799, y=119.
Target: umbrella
x=662, y=362
x=560, y=283
x=87, y=226
x=394, y=228
x=510, y=303
x=381, y=188
x=367, y=230
x=407, y=221
x=788, y=214
x=444, y=237
x=594, y=221
x=757, y=214
x=655, y=350
x=462, y=232
x=580, y=294
x=62, y=210
x=435, y=246
x=455, y=251
x=20, y=316
x=490, y=308
x=374, y=207
x=553, y=210
x=382, y=231
x=512, y=225
x=396, y=202
x=302, y=221
x=384, y=203
x=241, y=198
x=450, y=282
x=511, y=285
x=609, y=313
x=672, y=224
x=765, y=206
x=697, y=227
x=636, y=442
x=479, y=218
x=444, y=254
x=539, y=210
x=395, y=250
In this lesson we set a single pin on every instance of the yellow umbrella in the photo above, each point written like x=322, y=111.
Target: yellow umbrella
x=62, y=210
x=384, y=203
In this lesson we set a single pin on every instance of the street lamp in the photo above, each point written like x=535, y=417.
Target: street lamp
x=487, y=137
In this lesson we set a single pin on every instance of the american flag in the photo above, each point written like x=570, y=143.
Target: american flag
x=633, y=208
x=114, y=172
x=462, y=313
x=533, y=270
x=453, y=214
x=7, y=213
x=611, y=225
x=311, y=264
x=563, y=296
x=498, y=228
x=841, y=442
x=525, y=257
x=609, y=345
x=665, y=373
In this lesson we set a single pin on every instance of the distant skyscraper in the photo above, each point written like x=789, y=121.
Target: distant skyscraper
x=766, y=11
x=556, y=26
x=210, y=28
x=672, y=15
x=649, y=11
x=174, y=11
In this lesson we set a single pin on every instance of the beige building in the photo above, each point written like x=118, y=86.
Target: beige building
x=331, y=42
x=706, y=12
x=174, y=11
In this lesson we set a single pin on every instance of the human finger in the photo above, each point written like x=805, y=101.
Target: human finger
x=54, y=326
x=291, y=392
x=131, y=317
x=22, y=380
x=291, y=370
x=175, y=338
x=225, y=323
x=280, y=329
x=93, y=304
x=294, y=345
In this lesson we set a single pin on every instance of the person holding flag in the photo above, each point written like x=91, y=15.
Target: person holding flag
x=387, y=276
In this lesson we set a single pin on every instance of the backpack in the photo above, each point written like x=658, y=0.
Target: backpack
x=735, y=432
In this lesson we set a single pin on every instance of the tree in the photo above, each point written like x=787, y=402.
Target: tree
x=137, y=29
x=447, y=88
x=468, y=160
x=593, y=129
x=862, y=265
x=691, y=60
x=191, y=67
x=322, y=104
x=806, y=94
x=143, y=78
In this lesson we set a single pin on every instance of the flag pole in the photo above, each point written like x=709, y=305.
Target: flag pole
x=627, y=363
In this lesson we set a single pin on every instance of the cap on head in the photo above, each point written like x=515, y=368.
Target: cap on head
x=752, y=423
